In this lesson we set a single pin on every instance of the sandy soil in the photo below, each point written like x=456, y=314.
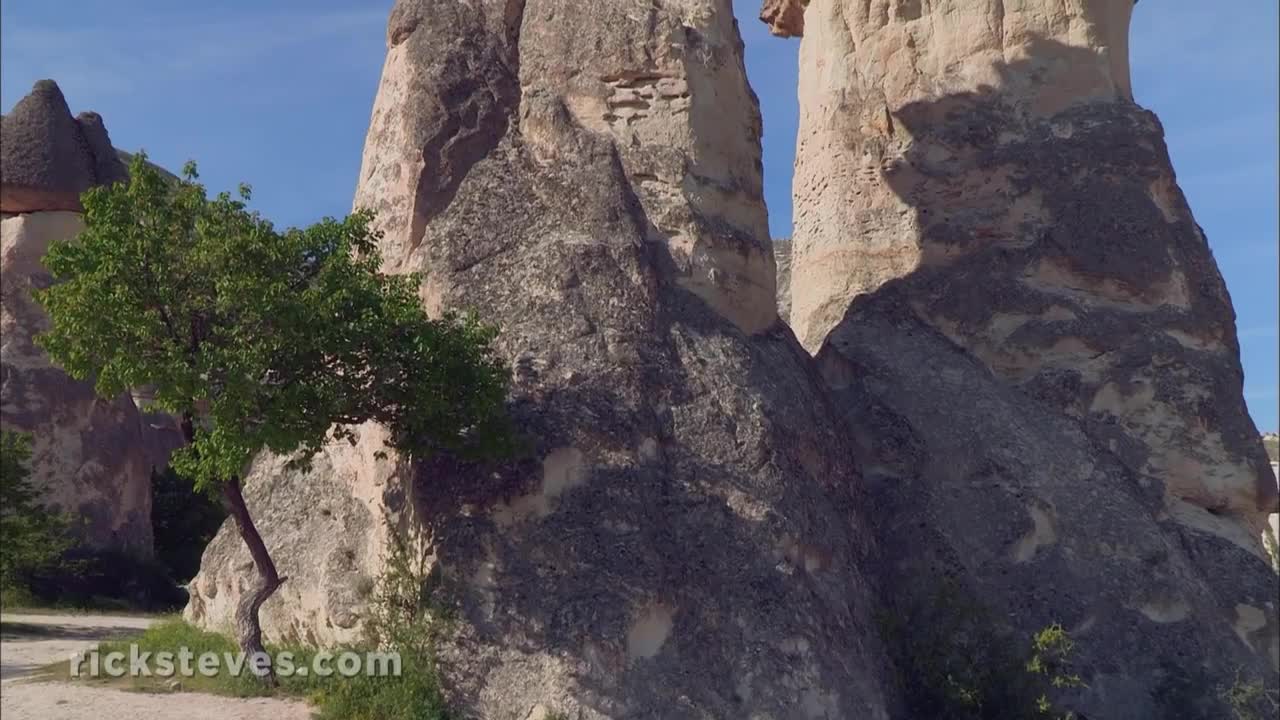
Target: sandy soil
x=59, y=701
x=28, y=642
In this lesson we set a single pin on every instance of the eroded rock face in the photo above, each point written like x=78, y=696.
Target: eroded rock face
x=683, y=540
x=785, y=18
x=995, y=161
x=330, y=533
x=50, y=157
x=975, y=482
x=995, y=265
x=782, y=256
x=90, y=458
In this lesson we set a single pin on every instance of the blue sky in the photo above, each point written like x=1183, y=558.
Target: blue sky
x=278, y=94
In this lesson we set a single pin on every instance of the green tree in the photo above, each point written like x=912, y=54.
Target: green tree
x=261, y=339
x=183, y=521
x=31, y=537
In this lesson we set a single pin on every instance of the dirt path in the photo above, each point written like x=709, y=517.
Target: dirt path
x=61, y=701
x=31, y=641
x=28, y=642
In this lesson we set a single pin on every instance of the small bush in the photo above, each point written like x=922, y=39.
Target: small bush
x=105, y=580
x=173, y=634
x=31, y=537
x=1249, y=700
x=183, y=520
x=955, y=662
x=403, y=619
x=41, y=566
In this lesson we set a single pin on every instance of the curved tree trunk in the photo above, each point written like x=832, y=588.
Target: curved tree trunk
x=248, y=625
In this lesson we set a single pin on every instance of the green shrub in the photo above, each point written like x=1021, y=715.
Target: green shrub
x=175, y=633
x=105, y=580
x=184, y=521
x=955, y=662
x=42, y=566
x=31, y=537
x=1249, y=700
x=403, y=619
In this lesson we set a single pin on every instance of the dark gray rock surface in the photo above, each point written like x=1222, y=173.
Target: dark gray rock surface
x=48, y=157
x=997, y=497
x=684, y=539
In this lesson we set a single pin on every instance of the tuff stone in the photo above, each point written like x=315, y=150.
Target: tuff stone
x=1000, y=167
x=91, y=458
x=782, y=256
x=685, y=536
x=785, y=18
x=1037, y=524
x=985, y=219
x=48, y=158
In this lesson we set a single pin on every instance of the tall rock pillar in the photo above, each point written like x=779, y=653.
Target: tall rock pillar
x=1029, y=338
x=91, y=458
x=683, y=539
x=989, y=156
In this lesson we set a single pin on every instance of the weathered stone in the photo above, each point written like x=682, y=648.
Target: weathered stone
x=683, y=540
x=90, y=458
x=329, y=532
x=47, y=157
x=976, y=482
x=782, y=256
x=1038, y=327
x=785, y=18
x=995, y=161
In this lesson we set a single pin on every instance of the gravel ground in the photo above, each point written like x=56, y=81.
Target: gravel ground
x=31, y=641
x=60, y=701
x=28, y=642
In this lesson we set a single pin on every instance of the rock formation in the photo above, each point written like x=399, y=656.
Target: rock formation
x=1020, y=337
x=782, y=256
x=91, y=458
x=785, y=18
x=684, y=539
x=1000, y=167
x=1029, y=338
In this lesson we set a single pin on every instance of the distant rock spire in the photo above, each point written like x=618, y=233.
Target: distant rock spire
x=48, y=157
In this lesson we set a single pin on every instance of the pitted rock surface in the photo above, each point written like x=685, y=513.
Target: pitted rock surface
x=685, y=537
x=976, y=188
x=90, y=458
x=1000, y=167
x=974, y=481
x=48, y=157
x=782, y=256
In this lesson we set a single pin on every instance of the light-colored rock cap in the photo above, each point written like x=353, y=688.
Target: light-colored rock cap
x=668, y=87
x=989, y=156
x=912, y=49
x=785, y=18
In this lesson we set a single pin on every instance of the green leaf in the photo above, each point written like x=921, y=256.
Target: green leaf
x=266, y=339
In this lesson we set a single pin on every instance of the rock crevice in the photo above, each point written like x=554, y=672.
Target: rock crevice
x=684, y=538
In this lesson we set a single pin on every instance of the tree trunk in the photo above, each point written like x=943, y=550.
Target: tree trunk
x=248, y=625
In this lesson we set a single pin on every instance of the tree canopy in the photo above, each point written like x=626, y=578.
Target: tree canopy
x=264, y=338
